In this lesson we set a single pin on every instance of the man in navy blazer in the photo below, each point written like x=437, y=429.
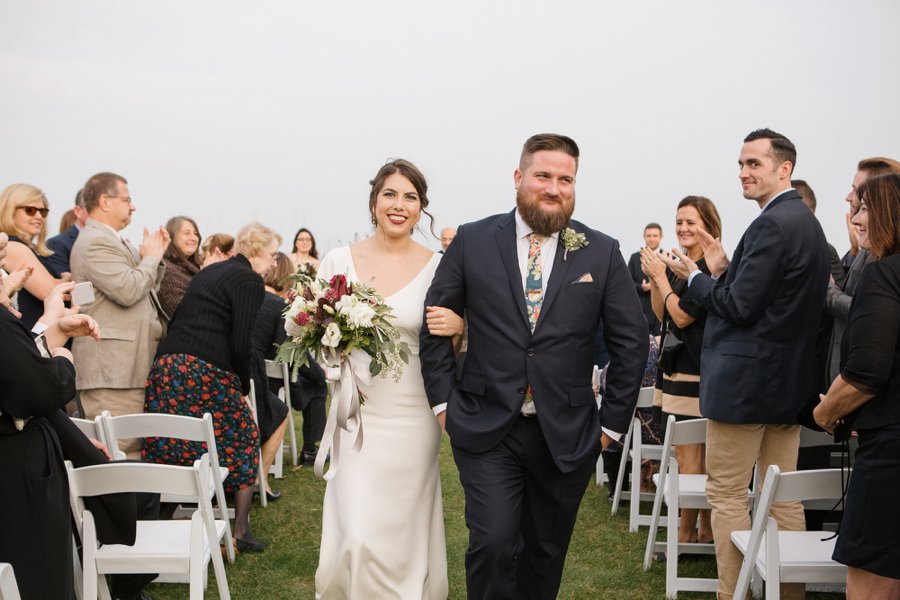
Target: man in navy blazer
x=522, y=418
x=758, y=365
x=61, y=244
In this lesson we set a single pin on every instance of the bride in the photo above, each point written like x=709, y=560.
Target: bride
x=382, y=521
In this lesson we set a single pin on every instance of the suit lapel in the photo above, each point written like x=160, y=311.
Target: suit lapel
x=557, y=276
x=506, y=246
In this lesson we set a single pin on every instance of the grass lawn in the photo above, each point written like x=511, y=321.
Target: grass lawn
x=604, y=558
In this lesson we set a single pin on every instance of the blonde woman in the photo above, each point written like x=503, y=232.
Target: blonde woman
x=203, y=365
x=23, y=217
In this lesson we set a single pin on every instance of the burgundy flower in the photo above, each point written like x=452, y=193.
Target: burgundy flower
x=301, y=319
x=338, y=283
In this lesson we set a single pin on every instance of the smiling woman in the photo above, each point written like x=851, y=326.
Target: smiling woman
x=23, y=217
x=182, y=260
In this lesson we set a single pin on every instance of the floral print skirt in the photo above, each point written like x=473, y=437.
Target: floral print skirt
x=180, y=384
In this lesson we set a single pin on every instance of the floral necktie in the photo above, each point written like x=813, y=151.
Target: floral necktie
x=534, y=295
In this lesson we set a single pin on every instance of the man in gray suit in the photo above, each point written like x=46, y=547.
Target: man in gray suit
x=112, y=373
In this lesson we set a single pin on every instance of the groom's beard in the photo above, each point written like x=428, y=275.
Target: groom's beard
x=541, y=220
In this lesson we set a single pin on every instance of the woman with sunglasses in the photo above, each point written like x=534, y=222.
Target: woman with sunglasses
x=23, y=217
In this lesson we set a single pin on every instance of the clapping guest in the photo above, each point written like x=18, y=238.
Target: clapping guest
x=267, y=333
x=182, y=260
x=23, y=217
x=683, y=321
x=216, y=248
x=203, y=365
x=305, y=250
x=35, y=384
x=866, y=396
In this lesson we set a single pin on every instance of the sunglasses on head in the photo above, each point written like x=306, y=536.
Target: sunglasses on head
x=33, y=210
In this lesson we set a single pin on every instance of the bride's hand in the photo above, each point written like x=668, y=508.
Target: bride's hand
x=443, y=321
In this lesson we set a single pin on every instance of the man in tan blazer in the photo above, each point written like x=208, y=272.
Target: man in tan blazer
x=112, y=373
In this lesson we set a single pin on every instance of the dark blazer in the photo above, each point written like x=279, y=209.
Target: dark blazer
x=758, y=360
x=479, y=276
x=58, y=262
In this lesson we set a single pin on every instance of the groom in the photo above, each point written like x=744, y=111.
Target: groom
x=522, y=418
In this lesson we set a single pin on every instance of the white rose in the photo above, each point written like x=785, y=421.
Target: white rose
x=346, y=303
x=296, y=306
x=361, y=315
x=332, y=335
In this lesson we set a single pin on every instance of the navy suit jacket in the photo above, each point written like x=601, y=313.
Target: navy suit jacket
x=758, y=363
x=479, y=277
x=61, y=245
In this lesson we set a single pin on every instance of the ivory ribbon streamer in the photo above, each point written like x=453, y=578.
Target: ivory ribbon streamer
x=344, y=418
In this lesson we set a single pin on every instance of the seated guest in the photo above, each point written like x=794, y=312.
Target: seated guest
x=304, y=252
x=683, y=321
x=216, y=248
x=203, y=365
x=866, y=396
x=269, y=331
x=182, y=260
x=309, y=390
x=61, y=244
x=23, y=217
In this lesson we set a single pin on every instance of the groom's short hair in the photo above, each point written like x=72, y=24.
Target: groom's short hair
x=547, y=141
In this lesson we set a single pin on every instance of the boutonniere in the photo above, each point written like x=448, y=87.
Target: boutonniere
x=572, y=241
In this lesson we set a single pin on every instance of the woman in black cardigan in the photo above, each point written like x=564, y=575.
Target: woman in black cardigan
x=203, y=365
x=866, y=397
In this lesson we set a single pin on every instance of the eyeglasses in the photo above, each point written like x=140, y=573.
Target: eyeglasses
x=33, y=210
x=125, y=198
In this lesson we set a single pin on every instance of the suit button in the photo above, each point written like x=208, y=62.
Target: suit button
x=522, y=391
x=531, y=352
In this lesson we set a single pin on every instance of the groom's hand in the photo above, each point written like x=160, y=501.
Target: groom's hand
x=442, y=420
x=605, y=441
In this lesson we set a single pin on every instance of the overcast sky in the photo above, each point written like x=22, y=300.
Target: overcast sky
x=282, y=111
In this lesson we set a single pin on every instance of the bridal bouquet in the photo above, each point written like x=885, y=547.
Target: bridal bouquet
x=345, y=326
x=332, y=319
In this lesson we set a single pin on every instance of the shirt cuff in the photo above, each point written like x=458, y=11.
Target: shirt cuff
x=693, y=274
x=439, y=408
x=39, y=328
x=614, y=435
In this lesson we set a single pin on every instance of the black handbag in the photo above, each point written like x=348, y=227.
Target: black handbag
x=671, y=346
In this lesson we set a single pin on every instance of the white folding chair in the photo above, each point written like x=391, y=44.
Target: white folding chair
x=92, y=429
x=678, y=491
x=143, y=425
x=283, y=371
x=634, y=448
x=261, y=474
x=790, y=556
x=165, y=547
x=9, y=590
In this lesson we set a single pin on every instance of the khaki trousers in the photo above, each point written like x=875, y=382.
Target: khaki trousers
x=117, y=402
x=731, y=452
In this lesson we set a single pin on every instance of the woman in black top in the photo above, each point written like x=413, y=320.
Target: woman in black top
x=269, y=331
x=866, y=396
x=203, y=365
x=678, y=379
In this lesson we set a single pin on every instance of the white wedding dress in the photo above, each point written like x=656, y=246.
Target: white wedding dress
x=383, y=519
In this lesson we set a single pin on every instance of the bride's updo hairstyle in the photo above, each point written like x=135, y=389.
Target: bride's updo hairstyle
x=415, y=177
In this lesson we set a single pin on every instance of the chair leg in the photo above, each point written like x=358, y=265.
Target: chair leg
x=197, y=566
x=620, y=476
x=672, y=552
x=654, y=525
x=294, y=452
